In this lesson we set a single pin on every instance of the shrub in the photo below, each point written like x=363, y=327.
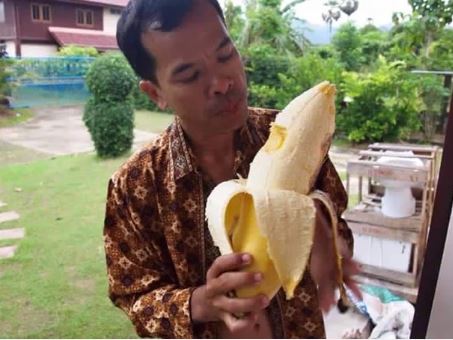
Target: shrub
x=111, y=126
x=77, y=51
x=141, y=100
x=110, y=78
x=109, y=113
x=382, y=105
x=5, y=85
x=275, y=80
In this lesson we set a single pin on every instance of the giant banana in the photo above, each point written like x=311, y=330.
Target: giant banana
x=271, y=214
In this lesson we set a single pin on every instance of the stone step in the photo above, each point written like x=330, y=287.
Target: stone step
x=7, y=252
x=9, y=216
x=12, y=234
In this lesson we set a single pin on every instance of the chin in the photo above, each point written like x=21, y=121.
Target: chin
x=241, y=117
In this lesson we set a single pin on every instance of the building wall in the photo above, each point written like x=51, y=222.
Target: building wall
x=7, y=28
x=38, y=50
x=10, y=48
x=110, y=20
x=62, y=15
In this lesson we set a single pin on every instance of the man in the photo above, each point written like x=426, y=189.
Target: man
x=164, y=270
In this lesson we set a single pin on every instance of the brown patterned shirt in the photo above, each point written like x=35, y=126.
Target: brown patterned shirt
x=158, y=247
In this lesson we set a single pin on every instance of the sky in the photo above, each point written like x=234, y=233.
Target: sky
x=380, y=11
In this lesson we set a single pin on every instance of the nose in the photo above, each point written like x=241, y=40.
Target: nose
x=221, y=85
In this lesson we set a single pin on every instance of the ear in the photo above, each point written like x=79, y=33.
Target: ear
x=153, y=92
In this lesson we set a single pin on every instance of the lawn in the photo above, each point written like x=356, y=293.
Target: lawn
x=56, y=286
x=16, y=117
x=152, y=121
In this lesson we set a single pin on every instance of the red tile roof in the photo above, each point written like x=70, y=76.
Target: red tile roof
x=82, y=37
x=115, y=3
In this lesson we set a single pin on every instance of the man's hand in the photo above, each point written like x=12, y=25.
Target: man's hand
x=323, y=265
x=211, y=303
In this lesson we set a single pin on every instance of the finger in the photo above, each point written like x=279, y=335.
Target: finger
x=241, y=305
x=230, y=281
x=234, y=324
x=227, y=263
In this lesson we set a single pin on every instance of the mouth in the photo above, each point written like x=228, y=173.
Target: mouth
x=231, y=106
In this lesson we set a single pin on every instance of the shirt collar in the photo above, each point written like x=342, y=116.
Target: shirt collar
x=183, y=159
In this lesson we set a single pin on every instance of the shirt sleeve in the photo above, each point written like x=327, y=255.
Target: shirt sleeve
x=140, y=274
x=330, y=183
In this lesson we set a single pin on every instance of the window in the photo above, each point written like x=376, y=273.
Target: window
x=41, y=13
x=115, y=11
x=2, y=11
x=85, y=17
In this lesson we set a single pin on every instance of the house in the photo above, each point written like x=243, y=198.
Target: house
x=37, y=28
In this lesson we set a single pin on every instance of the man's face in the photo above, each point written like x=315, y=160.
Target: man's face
x=199, y=71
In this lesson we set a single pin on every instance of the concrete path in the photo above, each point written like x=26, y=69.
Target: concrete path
x=9, y=216
x=9, y=234
x=12, y=234
x=58, y=131
x=7, y=252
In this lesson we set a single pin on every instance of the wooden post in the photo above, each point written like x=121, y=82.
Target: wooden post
x=18, y=31
x=444, y=112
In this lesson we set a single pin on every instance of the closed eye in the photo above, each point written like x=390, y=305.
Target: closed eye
x=228, y=56
x=191, y=78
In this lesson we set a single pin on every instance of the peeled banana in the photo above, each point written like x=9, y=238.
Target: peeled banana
x=271, y=214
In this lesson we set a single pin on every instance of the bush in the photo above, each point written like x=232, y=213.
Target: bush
x=77, y=51
x=109, y=113
x=141, y=100
x=110, y=78
x=275, y=80
x=111, y=126
x=5, y=86
x=382, y=105
x=433, y=94
x=304, y=73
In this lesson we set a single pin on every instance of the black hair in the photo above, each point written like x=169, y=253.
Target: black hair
x=141, y=16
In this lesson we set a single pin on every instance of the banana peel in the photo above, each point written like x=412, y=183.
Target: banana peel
x=271, y=214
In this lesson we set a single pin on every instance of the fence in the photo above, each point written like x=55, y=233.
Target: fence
x=53, y=81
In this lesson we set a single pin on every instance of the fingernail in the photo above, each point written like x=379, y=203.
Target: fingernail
x=246, y=258
x=258, y=277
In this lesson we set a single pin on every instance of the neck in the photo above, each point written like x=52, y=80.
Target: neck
x=214, y=153
x=210, y=145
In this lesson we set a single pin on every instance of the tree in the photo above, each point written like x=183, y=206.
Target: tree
x=373, y=43
x=348, y=42
x=234, y=19
x=428, y=19
x=268, y=22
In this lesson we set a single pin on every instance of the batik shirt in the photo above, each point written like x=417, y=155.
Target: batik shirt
x=158, y=247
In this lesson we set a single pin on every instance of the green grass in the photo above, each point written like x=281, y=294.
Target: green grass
x=152, y=121
x=14, y=154
x=56, y=284
x=16, y=117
